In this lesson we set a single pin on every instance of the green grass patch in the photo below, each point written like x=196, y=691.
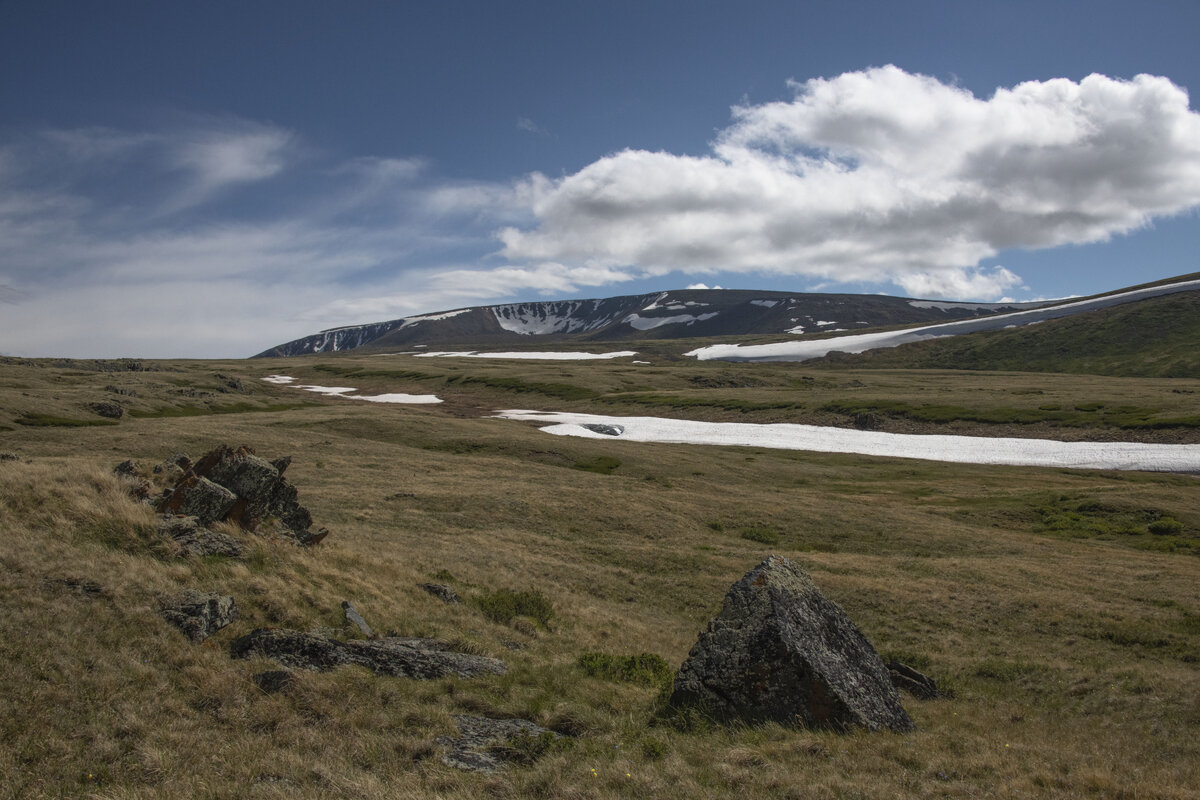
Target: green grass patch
x=561, y=391
x=691, y=401
x=648, y=669
x=601, y=465
x=760, y=535
x=504, y=605
x=172, y=412
x=51, y=421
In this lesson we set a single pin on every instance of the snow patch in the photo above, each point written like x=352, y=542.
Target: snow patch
x=344, y=391
x=765, y=303
x=956, y=449
x=649, y=323
x=409, y=321
x=279, y=380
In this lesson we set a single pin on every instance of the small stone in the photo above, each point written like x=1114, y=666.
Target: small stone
x=355, y=619
x=441, y=592
x=607, y=430
x=199, y=614
x=916, y=683
x=126, y=468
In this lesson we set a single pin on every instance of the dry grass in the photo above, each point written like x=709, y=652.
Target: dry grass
x=1073, y=659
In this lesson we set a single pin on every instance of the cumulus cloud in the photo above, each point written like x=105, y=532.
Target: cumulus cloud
x=883, y=175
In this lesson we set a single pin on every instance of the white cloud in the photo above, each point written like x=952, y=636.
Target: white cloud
x=882, y=175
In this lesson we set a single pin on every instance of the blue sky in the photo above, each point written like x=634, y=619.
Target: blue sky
x=207, y=180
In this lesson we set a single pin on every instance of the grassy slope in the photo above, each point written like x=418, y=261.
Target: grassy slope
x=1155, y=338
x=1068, y=632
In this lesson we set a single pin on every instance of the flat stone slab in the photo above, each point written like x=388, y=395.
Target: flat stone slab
x=397, y=656
x=485, y=744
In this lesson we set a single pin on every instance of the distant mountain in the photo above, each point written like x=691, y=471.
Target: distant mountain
x=684, y=313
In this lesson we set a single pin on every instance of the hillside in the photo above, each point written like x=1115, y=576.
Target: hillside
x=1155, y=338
x=1055, y=607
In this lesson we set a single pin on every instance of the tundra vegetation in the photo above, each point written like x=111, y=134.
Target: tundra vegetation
x=1056, y=608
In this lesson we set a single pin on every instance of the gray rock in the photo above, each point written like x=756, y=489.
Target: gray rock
x=108, y=409
x=907, y=679
x=780, y=651
x=201, y=498
x=485, y=744
x=9, y=457
x=607, y=430
x=126, y=469
x=401, y=657
x=196, y=540
x=355, y=619
x=199, y=615
x=441, y=592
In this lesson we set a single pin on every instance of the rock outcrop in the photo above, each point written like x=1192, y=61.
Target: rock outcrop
x=198, y=614
x=398, y=656
x=780, y=651
x=238, y=486
x=485, y=744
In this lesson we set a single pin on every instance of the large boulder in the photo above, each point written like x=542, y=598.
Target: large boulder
x=398, y=656
x=198, y=497
x=780, y=651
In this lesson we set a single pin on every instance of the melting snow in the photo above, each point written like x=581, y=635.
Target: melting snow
x=536, y=356
x=648, y=323
x=764, y=303
x=857, y=343
x=958, y=449
x=343, y=391
x=408, y=321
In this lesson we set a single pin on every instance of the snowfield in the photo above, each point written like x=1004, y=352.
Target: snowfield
x=957, y=449
x=860, y=342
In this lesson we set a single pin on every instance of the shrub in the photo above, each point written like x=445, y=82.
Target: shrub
x=648, y=669
x=1166, y=526
x=504, y=605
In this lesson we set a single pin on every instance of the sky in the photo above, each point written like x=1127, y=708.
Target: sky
x=207, y=180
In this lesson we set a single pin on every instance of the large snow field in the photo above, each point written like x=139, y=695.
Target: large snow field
x=859, y=342
x=534, y=356
x=344, y=391
x=958, y=449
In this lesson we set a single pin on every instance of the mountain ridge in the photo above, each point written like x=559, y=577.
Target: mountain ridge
x=671, y=314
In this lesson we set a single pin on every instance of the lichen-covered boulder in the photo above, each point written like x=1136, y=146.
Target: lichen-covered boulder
x=196, y=540
x=199, y=614
x=780, y=651
x=198, y=497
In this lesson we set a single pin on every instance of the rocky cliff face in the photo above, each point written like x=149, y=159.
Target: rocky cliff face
x=664, y=315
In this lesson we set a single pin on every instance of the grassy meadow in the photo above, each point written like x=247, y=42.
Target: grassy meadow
x=1058, y=608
